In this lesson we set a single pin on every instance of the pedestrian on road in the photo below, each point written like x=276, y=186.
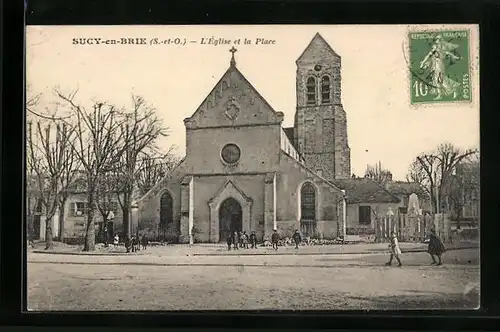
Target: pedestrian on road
x=395, y=250
x=236, y=240
x=229, y=241
x=240, y=237
x=297, y=238
x=128, y=243
x=274, y=239
x=436, y=247
x=253, y=240
x=144, y=241
x=244, y=240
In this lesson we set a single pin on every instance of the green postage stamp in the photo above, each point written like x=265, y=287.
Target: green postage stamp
x=439, y=66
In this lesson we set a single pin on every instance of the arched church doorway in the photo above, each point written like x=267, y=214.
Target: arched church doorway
x=166, y=213
x=230, y=218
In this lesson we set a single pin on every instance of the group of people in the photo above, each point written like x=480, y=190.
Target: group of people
x=134, y=243
x=435, y=249
x=240, y=239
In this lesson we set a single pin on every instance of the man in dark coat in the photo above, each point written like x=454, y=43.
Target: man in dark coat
x=253, y=240
x=128, y=243
x=229, y=241
x=436, y=247
x=274, y=239
x=297, y=238
x=236, y=240
x=144, y=241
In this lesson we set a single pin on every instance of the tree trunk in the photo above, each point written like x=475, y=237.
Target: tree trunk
x=127, y=229
x=61, y=220
x=48, y=233
x=90, y=231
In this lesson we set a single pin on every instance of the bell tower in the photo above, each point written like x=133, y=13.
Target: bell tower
x=320, y=121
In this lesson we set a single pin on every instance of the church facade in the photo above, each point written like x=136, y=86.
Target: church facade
x=243, y=171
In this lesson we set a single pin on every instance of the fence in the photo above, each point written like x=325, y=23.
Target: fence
x=412, y=228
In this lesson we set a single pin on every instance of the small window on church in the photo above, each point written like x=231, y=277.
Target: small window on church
x=311, y=90
x=325, y=89
x=231, y=153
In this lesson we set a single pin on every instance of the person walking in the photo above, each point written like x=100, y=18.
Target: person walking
x=297, y=238
x=274, y=239
x=436, y=247
x=116, y=240
x=253, y=240
x=395, y=250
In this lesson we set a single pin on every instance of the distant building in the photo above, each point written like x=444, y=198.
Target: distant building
x=75, y=216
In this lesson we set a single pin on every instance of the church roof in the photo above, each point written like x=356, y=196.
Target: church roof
x=311, y=172
x=317, y=41
x=225, y=80
x=289, y=133
x=365, y=190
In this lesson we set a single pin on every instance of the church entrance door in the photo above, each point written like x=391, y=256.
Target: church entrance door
x=230, y=218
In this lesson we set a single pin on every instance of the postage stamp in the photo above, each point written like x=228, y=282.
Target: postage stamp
x=439, y=66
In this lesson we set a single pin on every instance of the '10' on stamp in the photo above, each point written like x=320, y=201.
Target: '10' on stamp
x=439, y=66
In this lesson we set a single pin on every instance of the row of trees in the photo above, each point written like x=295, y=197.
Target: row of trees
x=447, y=174
x=113, y=152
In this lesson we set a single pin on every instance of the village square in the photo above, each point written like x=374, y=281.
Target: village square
x=255, y=215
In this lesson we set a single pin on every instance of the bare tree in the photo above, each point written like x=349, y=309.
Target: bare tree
x=32, y=190
x=98, y=147
x=140, y=131
x=47, y=159
x=463, y=186
x=378, y=174
x=69, y=173
x=106, y=199
x=433, y=170
x=152, y=169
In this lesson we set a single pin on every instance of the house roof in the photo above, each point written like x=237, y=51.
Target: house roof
x=406, y=188
x=364, y=190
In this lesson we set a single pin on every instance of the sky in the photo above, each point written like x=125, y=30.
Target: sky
x=174, y=79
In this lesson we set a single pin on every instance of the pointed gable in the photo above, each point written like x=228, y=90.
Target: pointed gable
x=318, y=48
x=232, y=102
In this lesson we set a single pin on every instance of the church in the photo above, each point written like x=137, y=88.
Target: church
x=244, y=171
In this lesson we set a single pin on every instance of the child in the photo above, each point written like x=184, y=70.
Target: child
x=274, y=239
x=116, y=240
x=297, y=238
x=253, y=240
x=244, y=238
x=395, y=250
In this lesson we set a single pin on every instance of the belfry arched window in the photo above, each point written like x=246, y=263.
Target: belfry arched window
x=311, y=90
x=325, y=89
